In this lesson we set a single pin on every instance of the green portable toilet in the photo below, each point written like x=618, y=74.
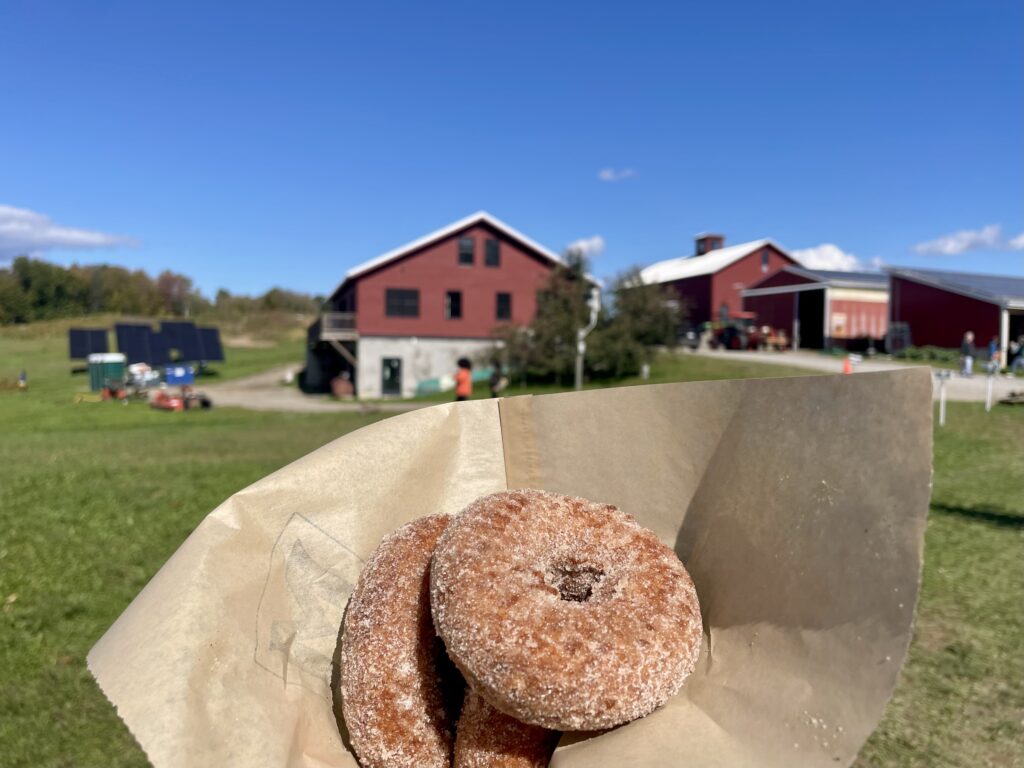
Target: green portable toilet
x=105, y=367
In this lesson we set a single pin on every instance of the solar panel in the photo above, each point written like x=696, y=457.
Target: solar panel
x=209, y=341
x=85, y=341
x=175, y=331
x=159, y=354
x=183, y=337
x=133, y=341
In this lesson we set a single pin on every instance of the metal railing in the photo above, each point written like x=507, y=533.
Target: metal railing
x=337, y=325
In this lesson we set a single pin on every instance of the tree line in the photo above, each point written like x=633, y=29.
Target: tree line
x=635, y=319
x=32, y=289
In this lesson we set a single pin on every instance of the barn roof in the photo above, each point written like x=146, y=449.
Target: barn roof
x=480, y=217
x=707, y=264
x=835, y=278
x=1004, y=290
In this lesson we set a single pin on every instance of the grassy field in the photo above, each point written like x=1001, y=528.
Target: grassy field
x=95, y=497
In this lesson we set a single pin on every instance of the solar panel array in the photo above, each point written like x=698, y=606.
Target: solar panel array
x=86, y=341
x=176, y=341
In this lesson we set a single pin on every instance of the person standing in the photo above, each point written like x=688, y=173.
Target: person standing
x=498, y=381
x=993, y=355
x=967, y=354
x=1015, y=357
x=464, y=379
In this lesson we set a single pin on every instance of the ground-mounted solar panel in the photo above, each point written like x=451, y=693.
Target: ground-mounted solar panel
x=209, y=341
x=86, y=341
x=159, y=353
x=182, y=339
x=176, y=330
x=133, y=341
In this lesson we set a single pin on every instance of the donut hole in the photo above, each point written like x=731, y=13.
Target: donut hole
x=575, y=582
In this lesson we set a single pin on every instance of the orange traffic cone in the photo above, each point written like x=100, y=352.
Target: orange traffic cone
x=847, y=365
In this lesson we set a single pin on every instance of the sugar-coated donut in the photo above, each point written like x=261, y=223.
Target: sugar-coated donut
x=487, y=738
x=562, y=612
x=392, y=693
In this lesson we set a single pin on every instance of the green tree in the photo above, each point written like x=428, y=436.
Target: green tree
x=561, y=310
x=14, y=303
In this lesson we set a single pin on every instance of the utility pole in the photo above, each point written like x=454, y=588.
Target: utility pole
x=594, y=302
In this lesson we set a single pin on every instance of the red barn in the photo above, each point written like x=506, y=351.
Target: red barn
x=820, y=309
x=709, y=282
x=939, y=306
x=406, y=316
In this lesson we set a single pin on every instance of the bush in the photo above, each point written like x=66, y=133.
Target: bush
x=930, y=354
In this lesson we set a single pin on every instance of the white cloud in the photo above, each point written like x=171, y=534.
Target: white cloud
x=1017, y=243
x=830, y=256
x=611, y=174
x=962, y=241
x=25, y=232
x=588, y=246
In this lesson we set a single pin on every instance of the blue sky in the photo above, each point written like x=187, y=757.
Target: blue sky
x=259, y=144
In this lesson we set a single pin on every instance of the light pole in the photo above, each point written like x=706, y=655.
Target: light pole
x=594, y=302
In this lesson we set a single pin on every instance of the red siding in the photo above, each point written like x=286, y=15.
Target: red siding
x=728, y=282
x=695, y=293
x=776, y=310
x=940, y=317
x=434, y=270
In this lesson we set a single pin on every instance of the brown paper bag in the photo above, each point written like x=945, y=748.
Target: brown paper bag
x=798, y=505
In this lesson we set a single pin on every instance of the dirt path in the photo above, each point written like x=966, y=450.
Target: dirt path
x=264, y=392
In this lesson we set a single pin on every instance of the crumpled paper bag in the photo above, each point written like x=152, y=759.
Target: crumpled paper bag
x=798, y=506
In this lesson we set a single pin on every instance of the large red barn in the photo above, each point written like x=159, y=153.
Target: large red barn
x=709, y=282
x=939, y=306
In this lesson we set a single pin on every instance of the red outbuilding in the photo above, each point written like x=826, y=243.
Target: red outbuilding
x=709, y=282
x=938, y=307
x=820, y=309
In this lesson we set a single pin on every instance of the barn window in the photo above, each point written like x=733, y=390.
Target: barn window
x=492, y=254
x=466, y=251
x=765, y=254
x=402, y=302
x=453, y=305
x=503, y=306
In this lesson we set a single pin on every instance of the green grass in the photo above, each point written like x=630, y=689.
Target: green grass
x=95, y=497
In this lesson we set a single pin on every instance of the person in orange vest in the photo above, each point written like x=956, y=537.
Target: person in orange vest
x=464, y=380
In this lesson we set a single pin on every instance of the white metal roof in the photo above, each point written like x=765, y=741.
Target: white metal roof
x=694, y=266
x=439, y=234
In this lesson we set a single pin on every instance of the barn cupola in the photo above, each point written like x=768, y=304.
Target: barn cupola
x=707, y=242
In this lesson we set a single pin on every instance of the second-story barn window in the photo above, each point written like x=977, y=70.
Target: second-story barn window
x=765, y=254
x=466, y=251
x=453, y=305
x=492, y=254
x=402, y=302
x=503, y=306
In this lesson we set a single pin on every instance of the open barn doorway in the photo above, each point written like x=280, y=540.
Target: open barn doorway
x=810, y=313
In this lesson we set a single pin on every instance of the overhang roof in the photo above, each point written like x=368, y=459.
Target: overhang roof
x=480, y=217
x=1002, y=290
x=822, y=278
x=694, y=266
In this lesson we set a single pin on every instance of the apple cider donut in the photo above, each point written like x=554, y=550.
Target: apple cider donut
x=391, y=684
x=487, y=738
x=562, y=612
